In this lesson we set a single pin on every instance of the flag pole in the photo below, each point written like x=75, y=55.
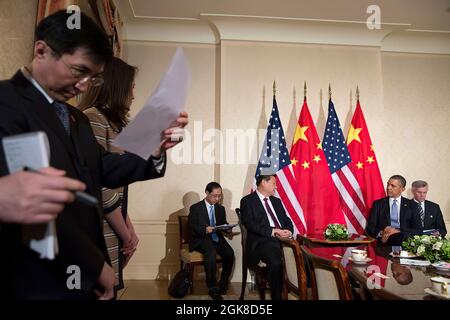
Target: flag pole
x=357, y=93
x=304, y=92
x=329, y=90
x=274, y=88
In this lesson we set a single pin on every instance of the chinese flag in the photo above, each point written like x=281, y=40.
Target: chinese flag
x=364, y=162
x=317, y=194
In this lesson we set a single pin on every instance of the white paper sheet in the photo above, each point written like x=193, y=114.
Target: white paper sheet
x=143, y=134
x=32, y=150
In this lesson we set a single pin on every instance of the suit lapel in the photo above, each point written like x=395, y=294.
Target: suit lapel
x=403, y=212
x=39, y=107
x=387, y=209
x=260, y=208
x=205, y=212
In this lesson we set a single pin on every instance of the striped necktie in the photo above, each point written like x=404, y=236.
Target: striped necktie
x=422, y=213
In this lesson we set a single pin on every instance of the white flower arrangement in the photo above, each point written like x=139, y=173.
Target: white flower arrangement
x=336, y=231
x=432, y=248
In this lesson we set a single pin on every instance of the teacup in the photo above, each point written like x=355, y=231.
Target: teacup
x=359, y=255
x=440, y=285
x=404, y=254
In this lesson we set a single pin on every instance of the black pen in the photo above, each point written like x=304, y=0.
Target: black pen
x=80, y=196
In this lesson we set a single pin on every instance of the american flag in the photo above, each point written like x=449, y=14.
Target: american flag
x=275, y=159
x=338, y=158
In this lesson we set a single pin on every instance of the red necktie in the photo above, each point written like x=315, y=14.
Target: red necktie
x=274, y=219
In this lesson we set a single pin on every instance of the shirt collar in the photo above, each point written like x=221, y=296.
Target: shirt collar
x=208, y=205
x=399, y=199
x=33, y=81
x=261, y=196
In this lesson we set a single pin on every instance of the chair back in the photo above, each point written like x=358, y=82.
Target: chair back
x=243, y=230
x=185, y=231
x=294, y=269
x=329, y=280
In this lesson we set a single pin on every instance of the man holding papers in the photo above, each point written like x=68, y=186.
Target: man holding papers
x=65, y=63
x=204, y=216
x=430, y=212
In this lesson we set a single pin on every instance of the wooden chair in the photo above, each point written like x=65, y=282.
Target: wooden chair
x=295, y=278
x=191, y=259
x=260, y=270
x=329, y=280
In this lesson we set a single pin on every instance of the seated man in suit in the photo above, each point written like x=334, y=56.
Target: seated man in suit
x=430, y=213
x=394, y=218
x=265, y=219
x=203, y=217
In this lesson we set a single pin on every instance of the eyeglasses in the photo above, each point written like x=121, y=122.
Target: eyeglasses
x=82, y=76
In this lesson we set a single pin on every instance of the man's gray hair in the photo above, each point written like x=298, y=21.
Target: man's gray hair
x=419, y=184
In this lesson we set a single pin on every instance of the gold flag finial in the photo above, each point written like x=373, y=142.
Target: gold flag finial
x=357, y=93
x=274, y=88
x=329, y=90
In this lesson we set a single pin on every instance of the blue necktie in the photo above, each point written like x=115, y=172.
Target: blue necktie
x=212, y=221
x=63, y=114
x=394, y=215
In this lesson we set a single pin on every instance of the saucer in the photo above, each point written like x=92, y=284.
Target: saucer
x=441, y=266
x=359, y=261
x=434, y=293
x=408, y=255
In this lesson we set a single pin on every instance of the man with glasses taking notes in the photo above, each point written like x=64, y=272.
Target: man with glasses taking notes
x=65, y=62
x=203, y=217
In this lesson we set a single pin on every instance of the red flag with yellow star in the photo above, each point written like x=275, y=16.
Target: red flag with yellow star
x=364, y=163
x=317, y=194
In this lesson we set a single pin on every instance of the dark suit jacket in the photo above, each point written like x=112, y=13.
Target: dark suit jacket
x=254, y=218
x=198, y=221
x=79, y=228
x=433, y=218
x=380, y=218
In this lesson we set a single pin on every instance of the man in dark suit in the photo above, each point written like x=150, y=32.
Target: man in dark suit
x=65, y=62
x=394, y=219
x=430, y=212
x=203, y=217
x=265, y=219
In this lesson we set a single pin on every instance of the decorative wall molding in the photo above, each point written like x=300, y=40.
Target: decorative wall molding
x=169, y=30
x=296, y=30
x=214, y=28
x=417, y=41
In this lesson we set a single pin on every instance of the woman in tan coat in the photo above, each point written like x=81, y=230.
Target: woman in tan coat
x=107, y=108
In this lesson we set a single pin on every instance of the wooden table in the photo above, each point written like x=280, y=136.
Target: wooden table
x=318, y=240
x=384, y=277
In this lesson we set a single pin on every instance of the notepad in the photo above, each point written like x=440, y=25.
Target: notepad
x=412, y=262
x=32, y=150
x=225, y=226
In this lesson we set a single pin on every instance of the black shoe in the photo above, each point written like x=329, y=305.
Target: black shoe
x=214, y=294
x=223, y=288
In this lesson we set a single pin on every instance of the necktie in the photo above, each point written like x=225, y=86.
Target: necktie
x=212, y=223
x=269, y=210
x=394, y=215
x=422, y=213
x=63, y=114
